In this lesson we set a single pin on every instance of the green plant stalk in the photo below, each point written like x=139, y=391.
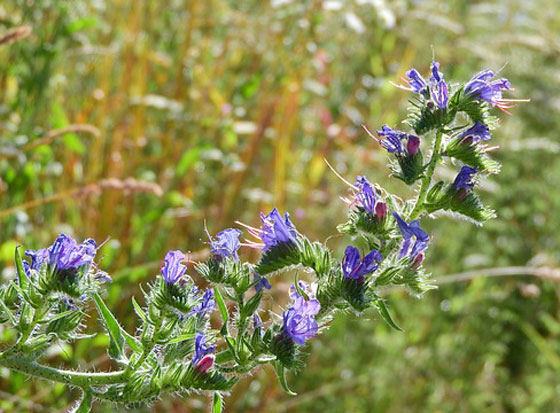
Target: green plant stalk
x=38, y=314
x=427, y=180
x=145, y=353
x=73, y=378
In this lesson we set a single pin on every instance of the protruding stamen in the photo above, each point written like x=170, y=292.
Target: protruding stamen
x=338, y=175
x=371, y=135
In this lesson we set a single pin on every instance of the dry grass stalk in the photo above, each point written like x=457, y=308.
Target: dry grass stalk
x=128, y=186
x=56, y=133
x=14, y=35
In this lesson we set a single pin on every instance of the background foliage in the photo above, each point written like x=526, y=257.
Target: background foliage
x=219, y=109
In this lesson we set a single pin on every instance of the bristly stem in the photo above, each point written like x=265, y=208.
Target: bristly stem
x=74, y=378
x=427, y=180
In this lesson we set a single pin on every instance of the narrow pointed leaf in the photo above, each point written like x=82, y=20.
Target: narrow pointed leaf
x=281, y=374
x=139, y=312
x=384, y=312
x=117, y=334
x=22, y=276
x=223, y=309
x=217, y=403
x=182, y=337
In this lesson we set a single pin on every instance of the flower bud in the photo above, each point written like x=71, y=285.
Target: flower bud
x=466, y=141
x=284, y=348
x=461, y=194
x=412, y=145
x=381, y=210
x=205, y=363
x=417, y=261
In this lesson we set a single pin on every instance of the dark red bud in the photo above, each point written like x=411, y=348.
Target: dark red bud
x=430, y=104
x=461, y=193
x=412, y=145
x=417, y=261
x=381, y=210
x=205, y=363
x=466, y=141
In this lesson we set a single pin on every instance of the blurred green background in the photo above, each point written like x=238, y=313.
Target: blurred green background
x=142, y=120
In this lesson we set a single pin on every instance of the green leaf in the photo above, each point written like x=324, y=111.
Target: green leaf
x=117, y=334
x=57, y=316
x=182, y=337
x=300, y=290
x=223, y=309
x=8, y=312
x=472, y=154
x=384, y=312
x=139, y=312
x=251, y=305
x=187, y=160
x=281, y=374
x=231, y=344
x=466, y=205
x=218, y=403
x=22, y=276
x=279, y=257
x=82, y=24
x=59, y=120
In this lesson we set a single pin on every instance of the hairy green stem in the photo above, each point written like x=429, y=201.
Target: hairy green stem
x=85, y=402
x=73, y=378
x=427, y=180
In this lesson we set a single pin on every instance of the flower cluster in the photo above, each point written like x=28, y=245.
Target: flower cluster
x=182, y=344
x=64, y=254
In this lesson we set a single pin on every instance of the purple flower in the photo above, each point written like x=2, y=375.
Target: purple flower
x=465, y=177
x=226, y=244
x=479, y=131
x=416, y=81
x=257, y=321
x=38, y=257
x=172, y=269
x=365, y=197
x=392, y=139
x=206, y=306
x=276, y=229
x=409, y=230
x=353, y=266
x=438, y=87
x=299, y=320
x=64, y=254
x=200, y=348
x=262, y=283
x=482, y=87
x=103, y=277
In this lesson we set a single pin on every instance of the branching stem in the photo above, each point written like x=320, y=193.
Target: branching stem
x=427, y=180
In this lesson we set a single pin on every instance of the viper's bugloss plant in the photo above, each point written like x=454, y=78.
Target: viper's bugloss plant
x=176, y=349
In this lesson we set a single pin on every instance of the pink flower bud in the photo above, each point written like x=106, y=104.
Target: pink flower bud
x=381, y=210
x=412, y=145
x=205, y=363
x=417, y=261
x=461, y=194
x=467, y=141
